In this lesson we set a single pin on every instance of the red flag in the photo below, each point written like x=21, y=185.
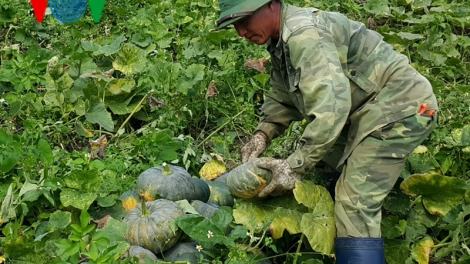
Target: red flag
x=39, y=7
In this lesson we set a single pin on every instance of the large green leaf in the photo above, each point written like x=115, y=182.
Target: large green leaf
x=60, y=219
x=378, y=7
x=279, y=213
x=130, y=60
x=318, y=224
x=110, y=49
x=46, y=152
x=77, y=199
x=393, y=227
x=396, y=251
x=439, y=193
x=421, y=161
x=84, y=180
x=460, y=137
x=99, y=115
x=199, y=228
x=118, y=86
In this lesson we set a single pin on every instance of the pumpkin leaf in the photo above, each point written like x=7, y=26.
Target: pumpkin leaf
x=421, y=250
x=99, y=115
x=439, y=193
x=60, y=219
x=421, y=160
x=186, y=206
x=86, y=181
x=396, y=251
x=107, y=50
x=459, y=137
x=378, y=7
x=419, y=219
x=118, y=86
x=318, y=224
x=114, y=230
x=393, y=227
x=77, y=199
x=130, y=60
x=207, y=232
x=278, y=213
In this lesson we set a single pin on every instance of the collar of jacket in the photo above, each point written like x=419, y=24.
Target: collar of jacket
x=270, y=43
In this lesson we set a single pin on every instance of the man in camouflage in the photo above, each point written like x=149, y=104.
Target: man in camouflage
x=367, y=109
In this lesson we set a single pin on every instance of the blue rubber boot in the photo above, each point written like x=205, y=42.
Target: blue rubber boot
x=359, y=250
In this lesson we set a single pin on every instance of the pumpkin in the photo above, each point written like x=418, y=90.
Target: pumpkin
x=204, y=209
x=222, y=178
x=130, y=199
x=220, y=195
x=247, y=180
x=172, y=183
x=184, y=251
x=141, y=253
x=149, y=225
x=202, y=190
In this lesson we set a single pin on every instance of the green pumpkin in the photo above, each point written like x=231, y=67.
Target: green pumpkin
x=220, y=195
x=149, y=225
x=204, y=209
x=202, y=190
x=185, y=252
x=247, y=180
x=130, y=199
x=172, y=183
x=141, y=253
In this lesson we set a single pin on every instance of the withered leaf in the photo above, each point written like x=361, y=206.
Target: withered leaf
x=102, y=222
x=98, y=146
x=211, y=90
x=371, y=23
x=257, y=64
x=154, y=102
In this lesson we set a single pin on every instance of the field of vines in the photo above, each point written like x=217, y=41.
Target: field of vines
x=86, y=108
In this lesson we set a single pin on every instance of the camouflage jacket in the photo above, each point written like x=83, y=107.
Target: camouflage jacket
x=336, y=74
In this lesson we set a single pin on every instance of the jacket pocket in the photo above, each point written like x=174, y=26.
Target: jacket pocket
x=361, y=80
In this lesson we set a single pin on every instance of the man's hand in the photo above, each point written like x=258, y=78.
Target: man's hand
x=284, y=178
x=255, y=147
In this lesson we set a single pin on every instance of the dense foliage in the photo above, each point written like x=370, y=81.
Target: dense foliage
x=86, y=107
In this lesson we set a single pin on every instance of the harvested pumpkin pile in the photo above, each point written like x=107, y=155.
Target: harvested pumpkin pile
x=167, y=192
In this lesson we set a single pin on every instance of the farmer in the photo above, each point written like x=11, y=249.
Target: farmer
x=367, y=109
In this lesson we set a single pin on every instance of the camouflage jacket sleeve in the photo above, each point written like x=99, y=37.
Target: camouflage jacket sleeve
x=325, y=92
x=278, y=109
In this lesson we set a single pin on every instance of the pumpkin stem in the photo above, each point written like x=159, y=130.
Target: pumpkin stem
x=166, y=169
x=145, y=212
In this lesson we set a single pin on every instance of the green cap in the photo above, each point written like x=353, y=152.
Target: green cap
x=233, y=10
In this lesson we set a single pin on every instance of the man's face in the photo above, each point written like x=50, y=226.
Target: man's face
x=257, y=27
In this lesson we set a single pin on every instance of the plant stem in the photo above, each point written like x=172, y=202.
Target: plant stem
x=166, y=169
x=133, y=112
x=297, y=252
x=145, y=211
x=219, y=128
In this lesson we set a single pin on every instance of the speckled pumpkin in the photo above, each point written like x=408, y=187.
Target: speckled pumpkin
x=247, y=180
x=149, y=225
x=172, y=183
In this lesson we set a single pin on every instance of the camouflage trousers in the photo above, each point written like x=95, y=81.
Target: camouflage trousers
x=371, y=171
